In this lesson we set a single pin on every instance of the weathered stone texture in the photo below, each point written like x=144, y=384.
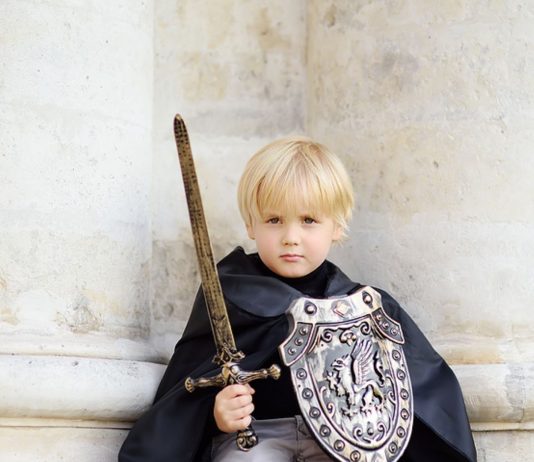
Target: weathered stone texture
x=235, y=71
x=509, y=446
x=424, y=108
x=75, y=151
x=230, y=67
x=431, y=108
x=75, y=169
x=49, y=444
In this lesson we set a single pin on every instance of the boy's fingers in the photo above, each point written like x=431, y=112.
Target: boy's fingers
x=243, y=423
x=242, y=400
x=242, y=412
x=233, y=390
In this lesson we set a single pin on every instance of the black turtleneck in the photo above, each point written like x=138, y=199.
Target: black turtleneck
x=276, y=399
x=312, y=285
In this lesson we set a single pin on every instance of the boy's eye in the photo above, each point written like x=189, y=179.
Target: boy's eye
x=309, y=220
x=273, y=220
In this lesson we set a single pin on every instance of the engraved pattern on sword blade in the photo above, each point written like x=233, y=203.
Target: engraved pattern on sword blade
x=211, y=286
x=227, y=355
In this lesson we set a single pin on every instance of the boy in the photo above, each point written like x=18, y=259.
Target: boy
x=295, y=198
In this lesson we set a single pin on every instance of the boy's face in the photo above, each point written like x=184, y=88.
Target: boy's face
x=293, y=245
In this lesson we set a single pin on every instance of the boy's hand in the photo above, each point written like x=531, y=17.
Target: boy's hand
x=233, y=406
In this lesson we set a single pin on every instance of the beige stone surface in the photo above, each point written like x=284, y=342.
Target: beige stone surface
x=74, y=181
x=232, y=68
x=76, y=388
x=498, y=396
x=235, y=71
x=76, y=101
x=427, y=113
x=49, y=444
x=499, y=446
x=430, y=108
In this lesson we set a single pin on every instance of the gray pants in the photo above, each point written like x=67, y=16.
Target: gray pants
x=279, y=440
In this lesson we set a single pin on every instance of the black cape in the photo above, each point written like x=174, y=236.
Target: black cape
x=179, y=426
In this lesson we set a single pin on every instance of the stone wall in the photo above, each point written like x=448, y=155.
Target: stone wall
x=75, y=160
x=236, y=72
x=432, y=110
x=430, y=107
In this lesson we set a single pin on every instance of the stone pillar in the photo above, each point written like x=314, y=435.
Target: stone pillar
x=432, y=109
x=235, y=71
x=75, y=175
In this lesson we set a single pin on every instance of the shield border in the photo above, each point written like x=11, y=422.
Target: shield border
x=306, y=315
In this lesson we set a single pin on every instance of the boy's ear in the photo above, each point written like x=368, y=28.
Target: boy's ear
x=250, y=232
x=338, y=233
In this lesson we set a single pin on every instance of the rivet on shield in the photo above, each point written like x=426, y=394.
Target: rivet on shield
x=325, y=431
x=367, y=299
x=339, y=445
x=393, y=448
x=303, y=331
x=314, y=412
x=405, y=414
x=307, y=393
x=355, y=456
x=301, y=374
x=310, y=308
x=401, y=432
x=291, y=351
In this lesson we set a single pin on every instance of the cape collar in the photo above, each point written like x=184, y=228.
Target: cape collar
x=245, y=285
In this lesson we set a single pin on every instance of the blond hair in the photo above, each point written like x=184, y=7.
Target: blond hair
x=295, y=174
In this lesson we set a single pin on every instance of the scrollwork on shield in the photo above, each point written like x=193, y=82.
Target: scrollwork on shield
x=350, y=376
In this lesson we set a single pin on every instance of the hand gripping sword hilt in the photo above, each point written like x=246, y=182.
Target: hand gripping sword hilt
x=231, y=374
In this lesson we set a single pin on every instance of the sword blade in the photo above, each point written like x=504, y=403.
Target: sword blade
x=211, y=286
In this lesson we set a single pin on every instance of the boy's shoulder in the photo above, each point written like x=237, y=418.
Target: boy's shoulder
x=246, y=285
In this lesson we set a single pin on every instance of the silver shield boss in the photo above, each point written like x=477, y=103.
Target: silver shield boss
x=350, y=376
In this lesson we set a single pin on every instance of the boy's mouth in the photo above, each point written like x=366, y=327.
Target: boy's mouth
x=290, y=257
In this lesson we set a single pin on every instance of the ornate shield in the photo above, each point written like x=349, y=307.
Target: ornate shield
x=350, y=376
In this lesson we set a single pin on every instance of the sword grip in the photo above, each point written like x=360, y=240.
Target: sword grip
x=246, y=439
x=215, y=381
x=231, y=374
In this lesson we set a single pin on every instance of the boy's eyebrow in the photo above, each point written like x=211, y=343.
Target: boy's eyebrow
x=302, y=214
x=270, y=213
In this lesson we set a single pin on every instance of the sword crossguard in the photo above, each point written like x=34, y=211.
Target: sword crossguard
x=231, y=374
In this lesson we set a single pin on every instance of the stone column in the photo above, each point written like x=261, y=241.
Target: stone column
x=75, y=175
x=235, y=71
x=432, y=109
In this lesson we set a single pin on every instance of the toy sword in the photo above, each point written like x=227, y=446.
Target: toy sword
x=227, y=355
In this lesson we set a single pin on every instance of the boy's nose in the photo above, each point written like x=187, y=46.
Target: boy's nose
x=289, y=242
x=290, y=236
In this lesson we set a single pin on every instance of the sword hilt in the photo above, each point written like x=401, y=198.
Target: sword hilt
x=231, y=374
